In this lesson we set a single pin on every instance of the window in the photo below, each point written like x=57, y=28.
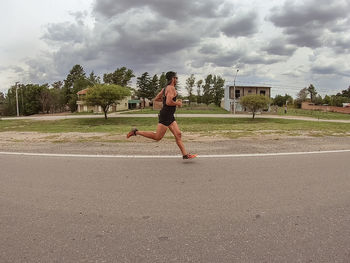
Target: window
x=262, y=92
x=238, y=94
x=249, y=91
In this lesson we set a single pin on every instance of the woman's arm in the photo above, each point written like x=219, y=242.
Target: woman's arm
x=170, y=94
x=159, y=96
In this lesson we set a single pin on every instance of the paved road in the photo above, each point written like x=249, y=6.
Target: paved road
x=244, y=209
x=119, y=115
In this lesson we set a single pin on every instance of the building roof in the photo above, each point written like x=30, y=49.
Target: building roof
x=251, y=87
x=82, y=92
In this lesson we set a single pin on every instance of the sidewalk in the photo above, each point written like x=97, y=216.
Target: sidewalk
x=121, y=115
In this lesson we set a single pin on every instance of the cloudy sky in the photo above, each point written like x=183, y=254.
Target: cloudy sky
x=285, y=44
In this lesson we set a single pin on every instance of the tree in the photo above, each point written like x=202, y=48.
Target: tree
x=207, y=95
x=162, y=82
x=57, y=85
x=31, y=99
x=318, y=100
x=327, y=100
x=338, y=100
x=10, y=102
x=311, y=89
x=94, y=79
x=189, y=87
x=301, y=97
x=121, y=76
x=56, y=103
x=289, y=99
x=79, y=85
x=199, y=86
x=143, y=86
x=345, y=93
x=2, y=103
x=105, y=95
x=45, y=98
x=2, y=98
x=218, y=90
x=153, y=87
x=76, y=74
x=280, y=100
x=254, y=103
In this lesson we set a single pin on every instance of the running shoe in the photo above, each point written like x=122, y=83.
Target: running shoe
x=131, y=133
x=189, y=156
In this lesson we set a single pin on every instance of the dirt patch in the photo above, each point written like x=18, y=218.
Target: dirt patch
x=34, y=137
x=104, y=143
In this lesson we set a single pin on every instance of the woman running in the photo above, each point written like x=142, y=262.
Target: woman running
x=166, y=116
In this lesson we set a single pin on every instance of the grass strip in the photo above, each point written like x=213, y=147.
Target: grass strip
x=230, y=127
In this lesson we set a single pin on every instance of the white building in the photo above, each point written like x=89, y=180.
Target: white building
x=238, y=92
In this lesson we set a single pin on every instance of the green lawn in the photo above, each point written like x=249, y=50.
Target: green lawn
x=194, y=109
x=227, y=127
x=314, y=114
x=212, y=109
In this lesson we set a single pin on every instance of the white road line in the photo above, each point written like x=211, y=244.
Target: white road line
x=170, y=156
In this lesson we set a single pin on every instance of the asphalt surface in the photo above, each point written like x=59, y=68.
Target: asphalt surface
x=292, y=208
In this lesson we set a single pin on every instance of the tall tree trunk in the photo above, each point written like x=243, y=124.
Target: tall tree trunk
x=105, y=110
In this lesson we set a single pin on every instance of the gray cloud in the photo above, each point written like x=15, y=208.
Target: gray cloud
x=161, y=34
x=306, y=24
x=177, y=10
x=260, y=59
x=210, y=49
x=330, y=70
x=149, y=36
x=311, y=12
x=64, y=32
x=340, y=44
x=279, y=47
x=3, y=68
x=324, y=70
x=245, y=25
x=17, y=69
x=219, y=57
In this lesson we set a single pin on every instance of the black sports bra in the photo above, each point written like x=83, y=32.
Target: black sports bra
x=164, y=99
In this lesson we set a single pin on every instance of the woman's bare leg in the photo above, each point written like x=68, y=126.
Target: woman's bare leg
x=174, y=128
x=157, y=136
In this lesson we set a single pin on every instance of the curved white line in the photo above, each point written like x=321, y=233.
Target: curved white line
x=170, y=156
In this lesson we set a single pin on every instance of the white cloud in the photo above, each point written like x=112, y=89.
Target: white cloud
x=277, y=43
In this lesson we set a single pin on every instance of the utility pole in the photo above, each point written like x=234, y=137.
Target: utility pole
x=234, y=93
x=17, y=100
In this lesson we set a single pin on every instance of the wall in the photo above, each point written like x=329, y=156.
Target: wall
x=310, y=106
x=122, y=105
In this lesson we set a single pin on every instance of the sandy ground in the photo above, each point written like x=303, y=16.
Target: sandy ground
x=100, y=143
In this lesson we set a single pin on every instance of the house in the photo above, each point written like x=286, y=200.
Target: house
x=232, y=92
x=119, y=105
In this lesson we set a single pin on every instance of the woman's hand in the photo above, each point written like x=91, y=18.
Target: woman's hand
x=179, y=102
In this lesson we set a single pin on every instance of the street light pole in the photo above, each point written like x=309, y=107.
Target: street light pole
x=234, y=93
x=17, y=100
